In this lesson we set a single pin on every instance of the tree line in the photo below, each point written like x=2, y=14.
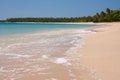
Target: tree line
x=104, y=16
x=108, y=16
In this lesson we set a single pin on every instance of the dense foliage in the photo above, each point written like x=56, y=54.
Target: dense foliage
x=107, y=16
x=77, y=19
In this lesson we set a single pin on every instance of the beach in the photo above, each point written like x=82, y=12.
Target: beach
x=101, y=52
x=90, y=53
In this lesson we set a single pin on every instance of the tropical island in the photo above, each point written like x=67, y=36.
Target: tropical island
x=104, y=16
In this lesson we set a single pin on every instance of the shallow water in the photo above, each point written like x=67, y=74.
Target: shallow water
x=23, y=28
x=50, y=55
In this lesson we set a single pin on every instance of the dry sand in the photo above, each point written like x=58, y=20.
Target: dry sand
x=101, y=51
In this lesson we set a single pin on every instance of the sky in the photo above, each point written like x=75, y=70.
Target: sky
x=54, y=8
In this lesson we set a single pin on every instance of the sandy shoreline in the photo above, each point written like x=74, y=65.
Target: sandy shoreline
x=101, y=51
x=97, y=60
x=54, y=22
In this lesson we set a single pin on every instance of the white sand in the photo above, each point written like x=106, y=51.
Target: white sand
x=101, y=52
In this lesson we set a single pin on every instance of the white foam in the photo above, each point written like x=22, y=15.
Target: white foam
x=18, y=56
x=78, y=40
x=84, y=31
x=44, y=56
x=61, y=61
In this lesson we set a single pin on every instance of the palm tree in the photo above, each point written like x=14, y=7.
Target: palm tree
x=108, y=10
x=102, y=14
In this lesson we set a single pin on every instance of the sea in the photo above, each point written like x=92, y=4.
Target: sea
x=43, y=51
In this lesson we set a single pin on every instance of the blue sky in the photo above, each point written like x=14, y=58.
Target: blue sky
x=54, y=8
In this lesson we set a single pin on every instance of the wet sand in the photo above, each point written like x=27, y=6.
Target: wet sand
x=43, y=56
x=101, y=52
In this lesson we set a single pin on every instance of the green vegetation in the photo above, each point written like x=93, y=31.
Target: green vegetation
x=2, y=20
x=77, y=19
x=107, y=16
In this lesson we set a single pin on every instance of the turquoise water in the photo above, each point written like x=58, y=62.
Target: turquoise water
x=20, y=28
